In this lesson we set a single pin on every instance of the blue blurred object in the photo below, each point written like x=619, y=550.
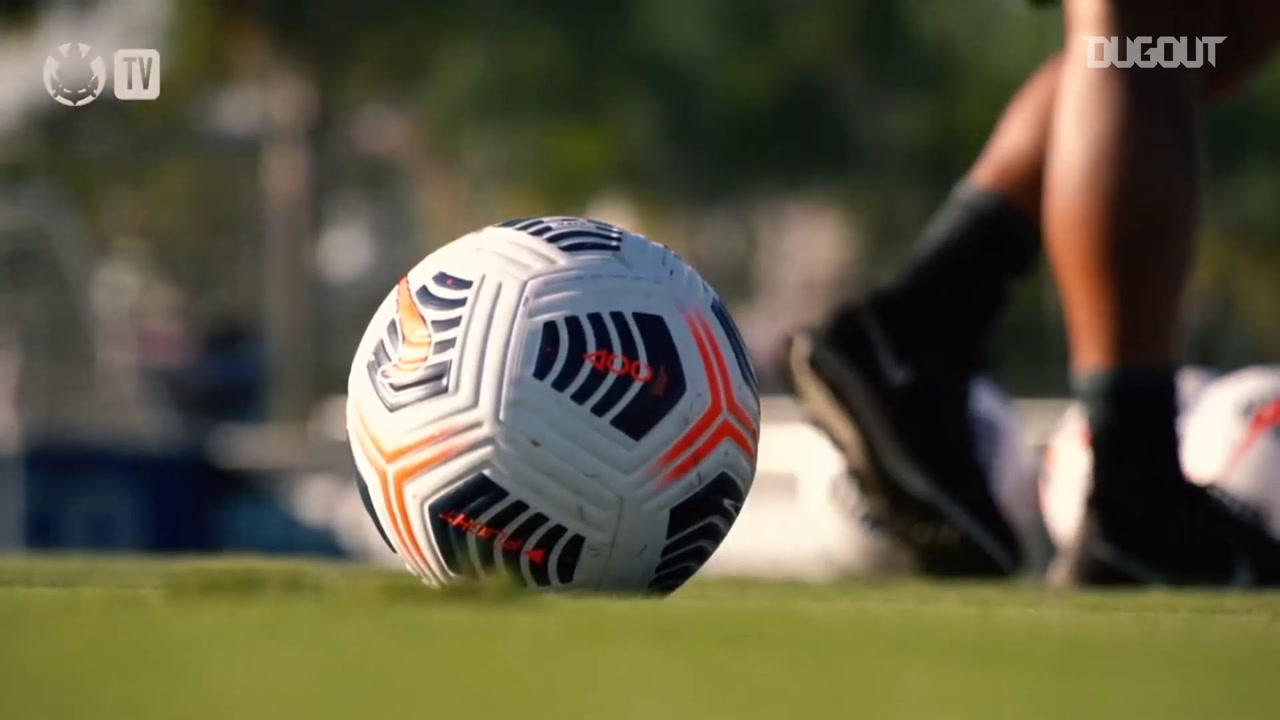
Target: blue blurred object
x=91, y=497
x=84, y=496
x=253, y=522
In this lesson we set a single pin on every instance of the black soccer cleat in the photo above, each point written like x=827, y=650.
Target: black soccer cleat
x=1170, y=533
x=909, y=443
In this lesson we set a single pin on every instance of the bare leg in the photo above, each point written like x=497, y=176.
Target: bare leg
x=942, y=308
x=1012, y=162
x=1121, y=207
x=1122, y=195
x=1121, y=191
x=888, y=377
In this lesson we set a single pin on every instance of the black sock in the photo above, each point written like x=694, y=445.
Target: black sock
x=940, y=312
x=1133, y=414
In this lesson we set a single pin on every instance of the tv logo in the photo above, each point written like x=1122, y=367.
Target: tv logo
x=137, y=75
x=74, y=75
x=1165, y=51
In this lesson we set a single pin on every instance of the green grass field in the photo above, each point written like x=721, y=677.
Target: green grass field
x=240, y=638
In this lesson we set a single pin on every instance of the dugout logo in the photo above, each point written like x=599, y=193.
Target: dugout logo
x=1149, y=52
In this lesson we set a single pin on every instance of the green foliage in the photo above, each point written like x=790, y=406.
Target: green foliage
x=522, y=106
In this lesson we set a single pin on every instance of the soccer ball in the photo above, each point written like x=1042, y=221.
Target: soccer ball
x=1231, y=441
x=556, y=400
x=806, y=519
x=1067, y=467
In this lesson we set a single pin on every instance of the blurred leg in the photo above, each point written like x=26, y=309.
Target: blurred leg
x=986, y=236
x=1121, y=207
x=1121, y=195
x=976, y=247
x=888, y=378
x=1012, y=161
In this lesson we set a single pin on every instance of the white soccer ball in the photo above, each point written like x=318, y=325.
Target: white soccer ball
x=1231, y=440
x=1067, y=466
x=557, y=400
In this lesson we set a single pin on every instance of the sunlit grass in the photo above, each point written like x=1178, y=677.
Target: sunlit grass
x=238, y=637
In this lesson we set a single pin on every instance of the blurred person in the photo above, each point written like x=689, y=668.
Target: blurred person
x=227, y=380
x=1104, y=161
x=127, y=291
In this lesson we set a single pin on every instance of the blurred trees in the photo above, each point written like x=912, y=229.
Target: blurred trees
x=426, y=119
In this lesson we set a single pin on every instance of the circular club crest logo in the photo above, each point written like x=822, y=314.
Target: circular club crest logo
x=73, y=75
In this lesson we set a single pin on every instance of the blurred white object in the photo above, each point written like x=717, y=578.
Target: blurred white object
x=805, y=520
x=347, y=248
x=1007, y=458
x=107, y=24
x=331, y=502
x=1231, y=439
x=1067, y=466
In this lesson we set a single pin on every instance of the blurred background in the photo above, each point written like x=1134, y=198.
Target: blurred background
x=183, y=281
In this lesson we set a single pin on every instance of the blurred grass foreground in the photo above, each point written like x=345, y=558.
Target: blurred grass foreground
x=138, y=639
